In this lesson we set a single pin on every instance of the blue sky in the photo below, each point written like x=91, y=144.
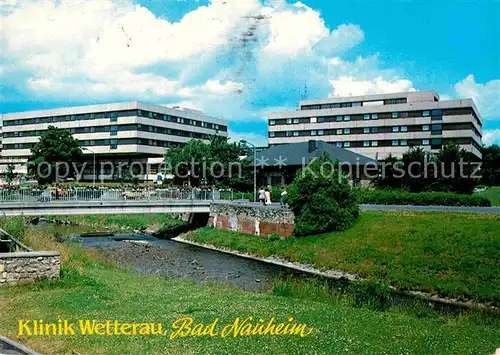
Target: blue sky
x=239, y=59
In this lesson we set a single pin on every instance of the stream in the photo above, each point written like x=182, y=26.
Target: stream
x=147, y=254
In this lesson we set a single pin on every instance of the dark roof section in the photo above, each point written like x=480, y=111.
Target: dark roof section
x=295, y=153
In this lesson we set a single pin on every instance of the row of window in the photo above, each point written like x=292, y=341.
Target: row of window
x=112, y=143
x=435, y=143
x=352, y=104
x=114, y=129
x=394, y=143
x=435, y=129
x=113, y=117
x=434, y=114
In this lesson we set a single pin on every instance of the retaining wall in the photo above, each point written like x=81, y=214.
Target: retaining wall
x=256, y=220
x=28, y=266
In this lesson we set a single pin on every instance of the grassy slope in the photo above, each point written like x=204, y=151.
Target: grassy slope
x=90, y=288
x=493, y=194
x=450, y=253
x=103, y=293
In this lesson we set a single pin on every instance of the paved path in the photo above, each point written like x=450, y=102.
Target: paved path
x=367, y=207
x=429, y=208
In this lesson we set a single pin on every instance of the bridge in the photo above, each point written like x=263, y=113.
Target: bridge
x=103, y=207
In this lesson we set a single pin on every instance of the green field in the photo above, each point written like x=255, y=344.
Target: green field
x=94, y=290
x=452, y=254
x=493, y=194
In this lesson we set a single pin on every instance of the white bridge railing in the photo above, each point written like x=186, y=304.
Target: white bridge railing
x=108, y=194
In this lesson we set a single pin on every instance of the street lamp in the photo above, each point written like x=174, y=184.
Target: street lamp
x=244, y=142
x=93, y=156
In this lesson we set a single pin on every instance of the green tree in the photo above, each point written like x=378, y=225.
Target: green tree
x=10, y=173
x=490, y=168
x=419, y=169
x=321, y=199
x=216, y=163
x=455, y=170
x=391, y=174
x=56, y=156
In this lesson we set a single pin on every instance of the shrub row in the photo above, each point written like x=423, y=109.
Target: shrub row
x=398, y=197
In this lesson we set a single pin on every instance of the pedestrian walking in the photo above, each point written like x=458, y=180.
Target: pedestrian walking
x=284, y=197
x=268, y=196
x=262, y=196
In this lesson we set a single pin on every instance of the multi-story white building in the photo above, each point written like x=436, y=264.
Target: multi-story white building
x=376, y=125
x=116, y=132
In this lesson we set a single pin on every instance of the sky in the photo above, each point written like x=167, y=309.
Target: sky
x=240, y=59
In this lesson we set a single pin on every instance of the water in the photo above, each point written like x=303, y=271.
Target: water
x=167, y=257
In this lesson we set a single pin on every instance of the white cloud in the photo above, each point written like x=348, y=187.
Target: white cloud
x=348, y=86
x=491, y=136
x=254, y=138
x=486, y=96
x=364, y=76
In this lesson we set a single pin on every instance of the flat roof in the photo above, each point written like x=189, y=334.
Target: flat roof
x=117, y=106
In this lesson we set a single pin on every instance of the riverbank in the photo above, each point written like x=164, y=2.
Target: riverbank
x=92, y=287
x=447, y=254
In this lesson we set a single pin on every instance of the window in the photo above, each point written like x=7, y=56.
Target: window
x=436, y=129
x=288, y=120
x=404, y=129
x=271, y=122
x=374, y=143
x=113, y=144
x=339, y=131
x=339, y=118
x=403, y=142
x=435, y=143
x=272, y=134
x=403, y=114
x=366, y=143
x=366, y=130
x=321, y=119
x=425, y=142
x=288, y=133
x=356, y=104
x=339, y=144
x=295, y=120
x=395, y=142
x=436, y=115
x=347, y=144
x=425, y=127
x=114, y=130
x=347, y=118
x=395, y=114
x=366, y=117
x=346, y=104
x=321, y=132
x=374, y=129
x=313, y=133
x=295, y=133
x=347, y=131
x=374, y=116
x=425, y=113
x=395, y=129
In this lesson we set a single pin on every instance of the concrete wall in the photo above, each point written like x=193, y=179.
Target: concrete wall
x=256, y=220
x=28, y=266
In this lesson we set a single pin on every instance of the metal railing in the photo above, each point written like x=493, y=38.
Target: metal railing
x=106, y=194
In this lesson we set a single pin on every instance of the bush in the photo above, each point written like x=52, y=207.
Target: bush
x=400, y=197
x=371, y=294
x=321, y=199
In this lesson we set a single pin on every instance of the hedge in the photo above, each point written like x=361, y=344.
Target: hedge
x=398, y=197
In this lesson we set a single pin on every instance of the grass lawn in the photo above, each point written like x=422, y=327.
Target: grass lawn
x=453, y=254
x=100, y=292
x=117, y=221
x=493, y=194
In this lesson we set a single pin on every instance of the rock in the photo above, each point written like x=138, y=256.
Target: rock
x=257, y=280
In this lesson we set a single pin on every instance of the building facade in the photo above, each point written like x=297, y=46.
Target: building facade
x=116, y=133
x=377, y=125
